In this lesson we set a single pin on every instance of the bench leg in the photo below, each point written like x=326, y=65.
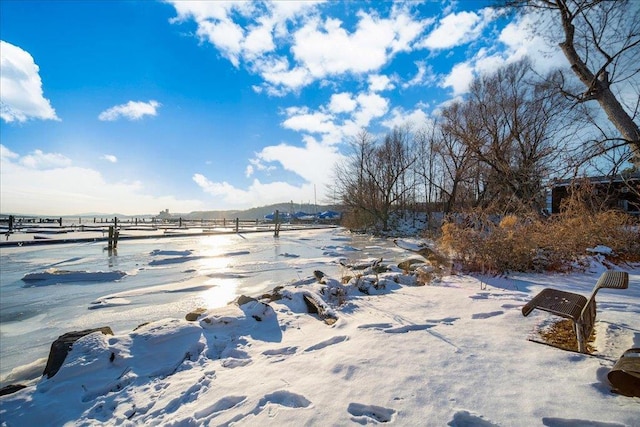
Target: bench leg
x=582, y=335
x=579, y=335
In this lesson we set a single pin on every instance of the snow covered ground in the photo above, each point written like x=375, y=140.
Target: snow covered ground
x=453, y=352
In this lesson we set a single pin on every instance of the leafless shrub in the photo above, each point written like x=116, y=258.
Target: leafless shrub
x=481, y=243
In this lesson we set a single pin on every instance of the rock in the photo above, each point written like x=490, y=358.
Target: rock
x=11, y=388
x=195, y=314
x=409, y=264
x=424, y=274
x=61, y=347
x=275, y=295
x=436, y=259
x=373, y=264
x=319, y=275
x=140, y=326
x=314, y=307
x=243, y=299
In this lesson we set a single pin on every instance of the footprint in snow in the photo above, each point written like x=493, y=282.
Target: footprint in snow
x=467, y=419
x=221, y=405
x=377, y=326
x=408, y=328
x=362, y=414
x=486, y=315
x=330, y=341
x=444, y=321
x=498, y=295
x=280, y=351
x=285, y=398
x=279, y=354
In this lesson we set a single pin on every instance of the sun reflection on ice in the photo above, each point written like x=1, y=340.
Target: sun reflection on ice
x=221, y=294
x=215, y=265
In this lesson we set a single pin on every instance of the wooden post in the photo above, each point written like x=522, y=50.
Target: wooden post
x=110, y=241
x=276, y=219
x=113, y=238
x=237, y=224
x=224, y=222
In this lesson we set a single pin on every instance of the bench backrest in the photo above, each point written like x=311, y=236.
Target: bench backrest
x=608, y=280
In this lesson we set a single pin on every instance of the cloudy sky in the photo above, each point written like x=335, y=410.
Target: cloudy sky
x=134, y=107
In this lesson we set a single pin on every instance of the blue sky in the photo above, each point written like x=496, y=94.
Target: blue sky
x=134, y=107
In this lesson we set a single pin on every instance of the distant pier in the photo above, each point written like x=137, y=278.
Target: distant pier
x=82, y=230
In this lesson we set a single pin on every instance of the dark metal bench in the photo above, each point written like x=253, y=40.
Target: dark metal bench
x=580, y=310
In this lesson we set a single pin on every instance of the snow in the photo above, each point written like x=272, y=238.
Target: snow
x=53, y=276
x=601, y=249
x=453, y=352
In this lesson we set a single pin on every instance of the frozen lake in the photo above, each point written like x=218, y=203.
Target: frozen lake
x=165, y=277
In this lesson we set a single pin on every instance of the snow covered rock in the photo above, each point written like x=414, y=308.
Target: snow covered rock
x=61, y=347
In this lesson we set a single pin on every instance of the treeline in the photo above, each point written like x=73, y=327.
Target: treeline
x=494, y=150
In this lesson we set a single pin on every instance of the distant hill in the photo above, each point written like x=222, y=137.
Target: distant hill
x=256, y=213
x=248, y=214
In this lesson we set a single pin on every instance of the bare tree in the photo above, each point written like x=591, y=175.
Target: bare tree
x=456, y=159
x=426, y=165
x=511, y=123
x=387, y=171
x=602, y=44
x=352, y=182
x=374, y=182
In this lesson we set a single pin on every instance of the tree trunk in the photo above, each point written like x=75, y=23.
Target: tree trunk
x=598, y=87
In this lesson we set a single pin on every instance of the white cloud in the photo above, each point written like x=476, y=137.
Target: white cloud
x=343, y=117
x=523, y=38
x=460, y=78
x=225, y=35
x=371, y=106
x=518, y=39
x=313, y=162
x=264, y=21
x=257, y=194
x=49, y=184
x=379, y=82
x=424, y=75
x=7, y=154
x=304, y=121
x=21, y=95
x=259, y=39
x=40, y=160
x=458, y=28
x=342, y=103
x=264, y=35
x=279, y=78
x=325, y=48
x=110, y=158
x=400, y=118
x=132, y=110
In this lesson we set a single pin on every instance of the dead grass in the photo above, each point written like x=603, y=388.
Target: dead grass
x=477, y=241
x=561, y=334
